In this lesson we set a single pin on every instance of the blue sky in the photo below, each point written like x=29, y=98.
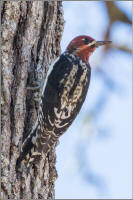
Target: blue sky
x=94, y=155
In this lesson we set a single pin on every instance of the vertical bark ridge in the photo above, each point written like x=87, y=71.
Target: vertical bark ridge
x=10, y=18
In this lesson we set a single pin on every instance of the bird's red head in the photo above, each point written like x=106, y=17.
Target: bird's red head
x=83, y=46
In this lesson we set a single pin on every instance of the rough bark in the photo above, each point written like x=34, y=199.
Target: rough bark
x=30, y=42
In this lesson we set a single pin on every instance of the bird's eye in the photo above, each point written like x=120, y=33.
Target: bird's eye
x=86, y=40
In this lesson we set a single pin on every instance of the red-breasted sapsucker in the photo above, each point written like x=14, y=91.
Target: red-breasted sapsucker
x=63, y=94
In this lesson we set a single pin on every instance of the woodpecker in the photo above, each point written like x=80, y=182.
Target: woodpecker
x=63, y=94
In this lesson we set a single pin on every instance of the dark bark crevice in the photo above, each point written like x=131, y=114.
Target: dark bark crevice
x=16, y=71
x=2, y=9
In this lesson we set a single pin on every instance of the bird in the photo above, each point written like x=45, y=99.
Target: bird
x=63, y=94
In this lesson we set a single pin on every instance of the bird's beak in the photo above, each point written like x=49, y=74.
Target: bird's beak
x=100, y=43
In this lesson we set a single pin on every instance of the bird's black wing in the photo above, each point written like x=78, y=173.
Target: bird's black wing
x=65, y=93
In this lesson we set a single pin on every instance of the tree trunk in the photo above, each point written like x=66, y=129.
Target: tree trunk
x=30, y=42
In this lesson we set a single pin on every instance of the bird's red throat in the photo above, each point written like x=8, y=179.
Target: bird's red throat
x=84, y=53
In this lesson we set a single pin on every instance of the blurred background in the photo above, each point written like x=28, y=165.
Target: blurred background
x=94, y=157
